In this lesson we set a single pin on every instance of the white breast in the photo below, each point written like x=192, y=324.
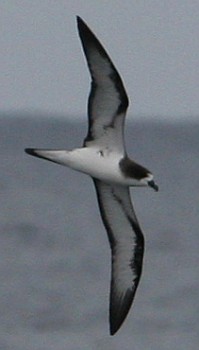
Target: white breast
x=100, y=164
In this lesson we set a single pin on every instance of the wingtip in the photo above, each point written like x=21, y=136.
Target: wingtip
x=80, y=23
x=119, y=309
x=85, y=33
x=115, y=325
x=78, y=18
x=113, y=330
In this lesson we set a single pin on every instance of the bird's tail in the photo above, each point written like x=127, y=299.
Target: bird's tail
x=56, y=156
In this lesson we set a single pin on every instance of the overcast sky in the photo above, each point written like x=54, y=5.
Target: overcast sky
x=154, y=45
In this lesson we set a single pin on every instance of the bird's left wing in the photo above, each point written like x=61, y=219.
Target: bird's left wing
x=127, y=246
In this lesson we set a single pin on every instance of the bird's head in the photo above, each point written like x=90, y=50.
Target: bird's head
x=148, y=181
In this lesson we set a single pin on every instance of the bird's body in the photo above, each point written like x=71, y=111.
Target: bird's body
x=104, y=158
x=99, y=163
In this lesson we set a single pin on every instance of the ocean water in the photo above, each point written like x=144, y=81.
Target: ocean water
x=54, y=253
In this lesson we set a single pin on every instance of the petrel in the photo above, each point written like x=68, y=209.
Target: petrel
x=104, y=157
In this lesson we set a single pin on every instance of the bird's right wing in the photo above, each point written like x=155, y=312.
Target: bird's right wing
x=108, y=100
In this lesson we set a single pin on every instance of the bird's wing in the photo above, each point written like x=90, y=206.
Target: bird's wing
x=108, y=100
x=127, y=246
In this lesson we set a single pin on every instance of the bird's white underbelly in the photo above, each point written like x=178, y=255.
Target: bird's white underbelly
x=103, y=165
x=95, y=163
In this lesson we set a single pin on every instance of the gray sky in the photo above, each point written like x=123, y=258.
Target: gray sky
x=154, y=44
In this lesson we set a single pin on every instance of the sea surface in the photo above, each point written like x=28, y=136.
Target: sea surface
x=54, y=252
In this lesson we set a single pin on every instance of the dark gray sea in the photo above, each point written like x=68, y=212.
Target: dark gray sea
x=54, y=253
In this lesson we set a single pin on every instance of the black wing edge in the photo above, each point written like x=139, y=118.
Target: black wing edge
x=119, y=308
x=89, y=39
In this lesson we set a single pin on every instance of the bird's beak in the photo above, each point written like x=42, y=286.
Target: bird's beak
x=152, y=184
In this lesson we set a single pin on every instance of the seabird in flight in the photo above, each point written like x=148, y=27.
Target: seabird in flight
x=104, y=157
